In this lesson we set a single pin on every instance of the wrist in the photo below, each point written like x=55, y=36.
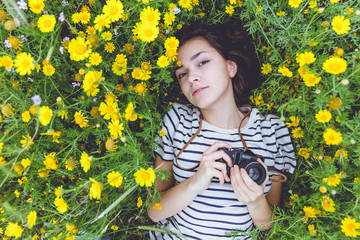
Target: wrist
x=261, y=201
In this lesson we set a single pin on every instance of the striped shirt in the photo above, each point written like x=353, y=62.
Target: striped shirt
x=216, y=212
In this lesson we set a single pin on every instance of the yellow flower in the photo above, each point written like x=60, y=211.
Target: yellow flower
x=313, y=4
x=349, y=226
x=311, y=80
x=19, y=169
x=113, y=10
x=297, y=133
x=115, y=128
x=323, y=116
x=285, y=71
x=140, y=88
x=71, y=228
x=339, y=52
x=6, y=61
x=157, y=206
x=332, y=181
x=55, y=135
x=259, y=99
x=71, y=163
x=335, y=65
x=24, y=63
x=310, y=212
x=84, y=17
x=340, y=25
x=322, y=189
x=328, y=204
x=114, y=227
x=26, y=116
x=50, y=161
x=43, y=172
x=294, y=122
x=171, y=43
x=295, y=3
x=110, y=145
x=85, y=161
x=335, y=103
x=304, y=152
x=229, y=10
x=115, y=179
x=46, y=23
x=107, y=109
x=280, y=13
x=79, y=48
x=59, y=191
x=95, y=59
x=31, y=219
x=150, y=15
x=186, y=4
x=25, y=162
x=163, y=61
x=36, y=6
x=2, y=161
x=109, y=47
x=312, y=230
x=145, y=177
x=13, y=230
x=45, y=115
x=48, y=69
x=341, y=152
x=26, y=141
x=95, y=189
x=139, y=202
x=80, y=120
x=148, y=32
x=334, y=1
x=129, y=113
x=107, y=36
x=162, y=133
x=101, y=21
x=169, y=18
x=332, y=137
x=60, y=204
x=266, y=68
x=305, y=58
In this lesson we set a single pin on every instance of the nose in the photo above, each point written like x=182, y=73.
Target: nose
x=193, y=77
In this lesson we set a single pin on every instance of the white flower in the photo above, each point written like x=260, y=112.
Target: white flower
x=61, y=17
x=23, y=38
x=22, y=4
x=75, y=84
x=61, y=50
x=115, y=32
x=7, y=43
x=36, y=99
x=176, y=10
x=66, y=39
x=65, y=3
x=17, y=22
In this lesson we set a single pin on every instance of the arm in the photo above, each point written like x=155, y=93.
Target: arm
x=176, y=198
x=250, y=193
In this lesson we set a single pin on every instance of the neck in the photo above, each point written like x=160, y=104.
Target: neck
x=227, y=117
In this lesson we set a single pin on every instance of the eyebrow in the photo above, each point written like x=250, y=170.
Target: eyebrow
x=192, y=58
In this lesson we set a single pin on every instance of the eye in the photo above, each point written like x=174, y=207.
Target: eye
x=203, y=63
x=181, y=75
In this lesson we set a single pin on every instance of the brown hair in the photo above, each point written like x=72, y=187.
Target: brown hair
x=233, y=43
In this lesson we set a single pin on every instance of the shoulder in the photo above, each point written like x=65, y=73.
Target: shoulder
x=180, y=112
x=268, y=120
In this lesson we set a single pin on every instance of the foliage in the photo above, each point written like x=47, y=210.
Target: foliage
x=79, y=119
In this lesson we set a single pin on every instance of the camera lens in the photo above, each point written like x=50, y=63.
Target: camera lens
x=256, y=172
x=253, y=173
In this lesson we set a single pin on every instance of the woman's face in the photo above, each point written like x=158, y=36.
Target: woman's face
x=204, y=75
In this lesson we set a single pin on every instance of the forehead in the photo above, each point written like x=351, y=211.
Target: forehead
x=193, y=46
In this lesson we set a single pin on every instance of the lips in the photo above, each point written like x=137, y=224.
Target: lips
x=198, y=91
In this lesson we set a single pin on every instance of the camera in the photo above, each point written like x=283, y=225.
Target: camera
x=246, y=159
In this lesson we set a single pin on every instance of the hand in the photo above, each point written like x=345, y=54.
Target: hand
x=210, y=168
x=246, y=190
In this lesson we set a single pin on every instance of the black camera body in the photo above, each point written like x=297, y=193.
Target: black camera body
x=246, y=159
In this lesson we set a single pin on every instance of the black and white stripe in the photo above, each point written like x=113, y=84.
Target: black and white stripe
x=216, y=210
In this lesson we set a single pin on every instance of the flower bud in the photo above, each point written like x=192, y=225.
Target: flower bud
x=345, y=82
x=321, y=10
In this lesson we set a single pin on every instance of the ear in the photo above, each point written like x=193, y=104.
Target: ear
x=232, y=68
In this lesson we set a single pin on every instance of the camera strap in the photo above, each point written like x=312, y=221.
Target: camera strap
x=270, y=169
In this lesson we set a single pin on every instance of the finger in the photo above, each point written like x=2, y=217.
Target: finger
x=247, y=180
x=216, y=156
x=222, y=168
x=238, y=184
x=216, y=146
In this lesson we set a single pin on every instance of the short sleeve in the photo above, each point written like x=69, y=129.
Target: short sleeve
x=285, y=157
x=165, y=140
